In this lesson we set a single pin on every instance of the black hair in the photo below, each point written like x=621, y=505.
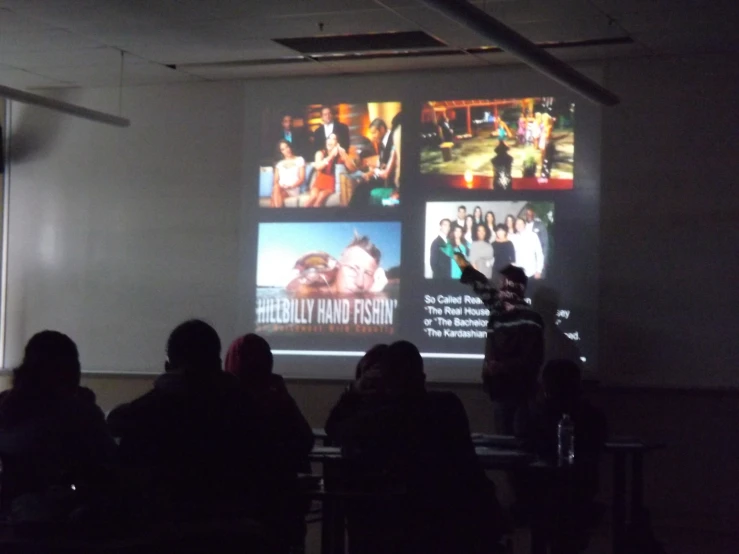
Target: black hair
x=397, y=121
x=462, y=208
x=371, y=358
x=477, y=227
x=50, y=362
x=449, y=221
x=283, y=141
x=257, y=351
x=193, y=346
x=501, y=227
x=402, y=368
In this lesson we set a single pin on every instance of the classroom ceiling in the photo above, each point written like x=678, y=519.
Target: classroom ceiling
x=69, y=43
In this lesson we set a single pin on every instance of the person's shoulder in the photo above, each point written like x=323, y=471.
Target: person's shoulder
x=444, y=400
x=592, y=413
x=140, y=408
x=525, y=312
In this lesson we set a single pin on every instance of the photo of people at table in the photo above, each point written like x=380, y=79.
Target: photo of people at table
x=501, y=144
x=324, y=156
x=491, y=235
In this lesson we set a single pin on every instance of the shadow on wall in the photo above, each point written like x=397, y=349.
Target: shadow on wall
x=34, y=132
x=557, y=345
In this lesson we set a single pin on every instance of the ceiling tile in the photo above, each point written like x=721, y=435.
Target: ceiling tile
x=43, y=41
x=100, y=56
x=442, y=28
x=47, y=4
x=198, y=54
x=14, y=24
x=405, y=64
x=369, y=21
x=568, y=30
x=262, y=71
x=11, y=77
x=530, y=11
x=106, y=76
x=619, y=7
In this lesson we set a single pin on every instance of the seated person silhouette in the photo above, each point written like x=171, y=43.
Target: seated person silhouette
x=543, y=495
x=199, y=440
x=250, y=359
x=392, y=429
x=52, y=434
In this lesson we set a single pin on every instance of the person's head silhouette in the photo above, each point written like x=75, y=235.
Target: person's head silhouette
x=50, y=364
x=371, y=358
x=561, y=383
x=402, y=369
x=193, y=348
x=250, y=359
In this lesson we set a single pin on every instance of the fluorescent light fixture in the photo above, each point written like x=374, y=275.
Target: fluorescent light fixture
x=62, y=107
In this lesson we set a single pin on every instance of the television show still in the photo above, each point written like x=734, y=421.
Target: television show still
x=329, y=156
x=339, y=278
x=491, y=235
x=499, y=144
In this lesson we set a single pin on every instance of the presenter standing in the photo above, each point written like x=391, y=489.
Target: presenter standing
x=514, y=348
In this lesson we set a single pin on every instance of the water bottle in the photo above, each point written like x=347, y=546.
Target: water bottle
x=566, y=441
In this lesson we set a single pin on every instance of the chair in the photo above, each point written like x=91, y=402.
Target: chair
x=266, y=180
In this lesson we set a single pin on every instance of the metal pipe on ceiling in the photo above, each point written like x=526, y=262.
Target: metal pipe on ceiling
x=509, y=40
x=63, y=107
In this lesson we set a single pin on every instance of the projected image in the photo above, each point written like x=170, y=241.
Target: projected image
x=328, y=278
x=491, y=235
x=344, y=155
x=500, y=144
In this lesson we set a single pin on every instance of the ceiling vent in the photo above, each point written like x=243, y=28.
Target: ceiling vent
x=373, y=42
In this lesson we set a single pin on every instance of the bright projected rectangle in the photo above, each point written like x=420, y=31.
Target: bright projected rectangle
x=370, y=256
x=328, y=278
x=499, y=144
x=330, y=156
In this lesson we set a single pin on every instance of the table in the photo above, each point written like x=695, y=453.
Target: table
x=503, y=452
x=633, y=521
x=332, y=529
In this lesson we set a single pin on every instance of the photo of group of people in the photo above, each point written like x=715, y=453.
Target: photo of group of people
x=499, y=144
x=491, y=235
x=321, y=156
x=328, y=277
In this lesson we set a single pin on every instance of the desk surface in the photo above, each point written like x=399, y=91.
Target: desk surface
x=489, y=457
x=615, y=444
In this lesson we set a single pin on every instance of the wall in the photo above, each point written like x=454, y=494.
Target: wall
x=115, y=234
x=668, y=260
x=668, y=224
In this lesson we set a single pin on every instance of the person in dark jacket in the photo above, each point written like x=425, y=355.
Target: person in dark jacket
x=514, y=348
x=562, y=508
x=52, y=434
x=199, y=440
x=394, y=431
x=250, y=360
